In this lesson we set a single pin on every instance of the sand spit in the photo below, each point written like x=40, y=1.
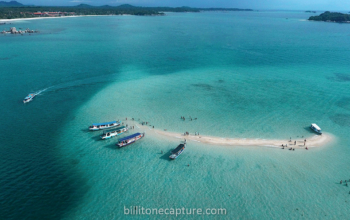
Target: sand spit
x=38, y=18
x=311, y=141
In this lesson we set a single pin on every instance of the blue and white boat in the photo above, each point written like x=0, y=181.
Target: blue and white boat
x=177, y=151
x=315, y=128
x=105, y=125
x=29, y=98
x=130, y=139
x=113, y=133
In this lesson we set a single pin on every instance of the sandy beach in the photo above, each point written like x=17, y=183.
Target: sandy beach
x=311, y=141
x=38, y=18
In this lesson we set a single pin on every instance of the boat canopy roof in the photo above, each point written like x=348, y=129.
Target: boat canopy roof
x=315, y=126
x=105, y=123
x=128, y=137
x=29, y=96
x=178, y=148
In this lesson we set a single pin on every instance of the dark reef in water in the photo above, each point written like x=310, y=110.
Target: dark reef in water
x=344, y=103
x=341, y=119
x=340, y=77
x=203, y=86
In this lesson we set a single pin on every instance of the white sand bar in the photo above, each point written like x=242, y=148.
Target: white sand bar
x=312, y=141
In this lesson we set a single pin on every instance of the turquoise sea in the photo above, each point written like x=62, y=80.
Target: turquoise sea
x=262, y=74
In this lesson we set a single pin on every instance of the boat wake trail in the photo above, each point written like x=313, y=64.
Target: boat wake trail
x=41, y=91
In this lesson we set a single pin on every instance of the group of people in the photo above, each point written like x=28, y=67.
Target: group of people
x=346, y=183
x=187, y=133
x=183, y=118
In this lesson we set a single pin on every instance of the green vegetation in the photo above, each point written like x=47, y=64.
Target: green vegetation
x=332, y=16
x=84, y=9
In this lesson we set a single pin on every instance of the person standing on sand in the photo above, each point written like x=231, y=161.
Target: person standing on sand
x=295, y=142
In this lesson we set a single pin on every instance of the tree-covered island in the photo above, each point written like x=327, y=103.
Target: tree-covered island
x=331, y=17
x=17, y=10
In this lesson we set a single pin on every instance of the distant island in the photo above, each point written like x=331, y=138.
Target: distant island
x=10, y=4
x=13, y=9
x=331, y=17
x=310, y=11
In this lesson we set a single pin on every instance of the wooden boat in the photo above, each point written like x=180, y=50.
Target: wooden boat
x=315, y=128
x=113, y=133
x=105, y=125
x=177, y=151
x=130, y=139
x=29, y=98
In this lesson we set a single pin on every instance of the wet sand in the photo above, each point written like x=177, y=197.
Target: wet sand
x=311, y=141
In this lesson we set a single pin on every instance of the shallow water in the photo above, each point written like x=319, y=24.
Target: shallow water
x=241, y=74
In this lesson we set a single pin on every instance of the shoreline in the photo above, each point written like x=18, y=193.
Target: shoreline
x=38, y=18
x=311, y=141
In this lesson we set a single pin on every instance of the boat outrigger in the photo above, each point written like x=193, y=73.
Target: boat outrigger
x=130, y=139
x=100, y=126
x=316, y=128
x=29, y=98
x=113, y=133
x=177, y=151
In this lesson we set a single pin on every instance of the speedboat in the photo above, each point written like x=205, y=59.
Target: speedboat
x=130, y=139
x=29, y=98
x=100, y=126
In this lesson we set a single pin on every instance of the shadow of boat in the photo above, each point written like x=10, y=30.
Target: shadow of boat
x=112, y=146
x=165, y=156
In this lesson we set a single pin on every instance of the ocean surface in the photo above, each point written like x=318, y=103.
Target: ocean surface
x=262, y=74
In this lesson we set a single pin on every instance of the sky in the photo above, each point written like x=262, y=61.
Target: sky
x=335, y=5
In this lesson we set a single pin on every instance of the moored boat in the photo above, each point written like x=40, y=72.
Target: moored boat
x=315, y=128
x=29, y=98
x=177, y=151
x=100, y=126
x=113, y=133
x=130, y=139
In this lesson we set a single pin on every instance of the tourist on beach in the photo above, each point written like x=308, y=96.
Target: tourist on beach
x=295, y=142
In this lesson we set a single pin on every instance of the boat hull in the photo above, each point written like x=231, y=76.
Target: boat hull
x=315, y=130
x=114, y=134
x=104, y=127
x=175, y=155
x=29, y=98
x=120, y=145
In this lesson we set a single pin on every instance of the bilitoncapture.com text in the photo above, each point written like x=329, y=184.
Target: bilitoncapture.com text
x=139, y=210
